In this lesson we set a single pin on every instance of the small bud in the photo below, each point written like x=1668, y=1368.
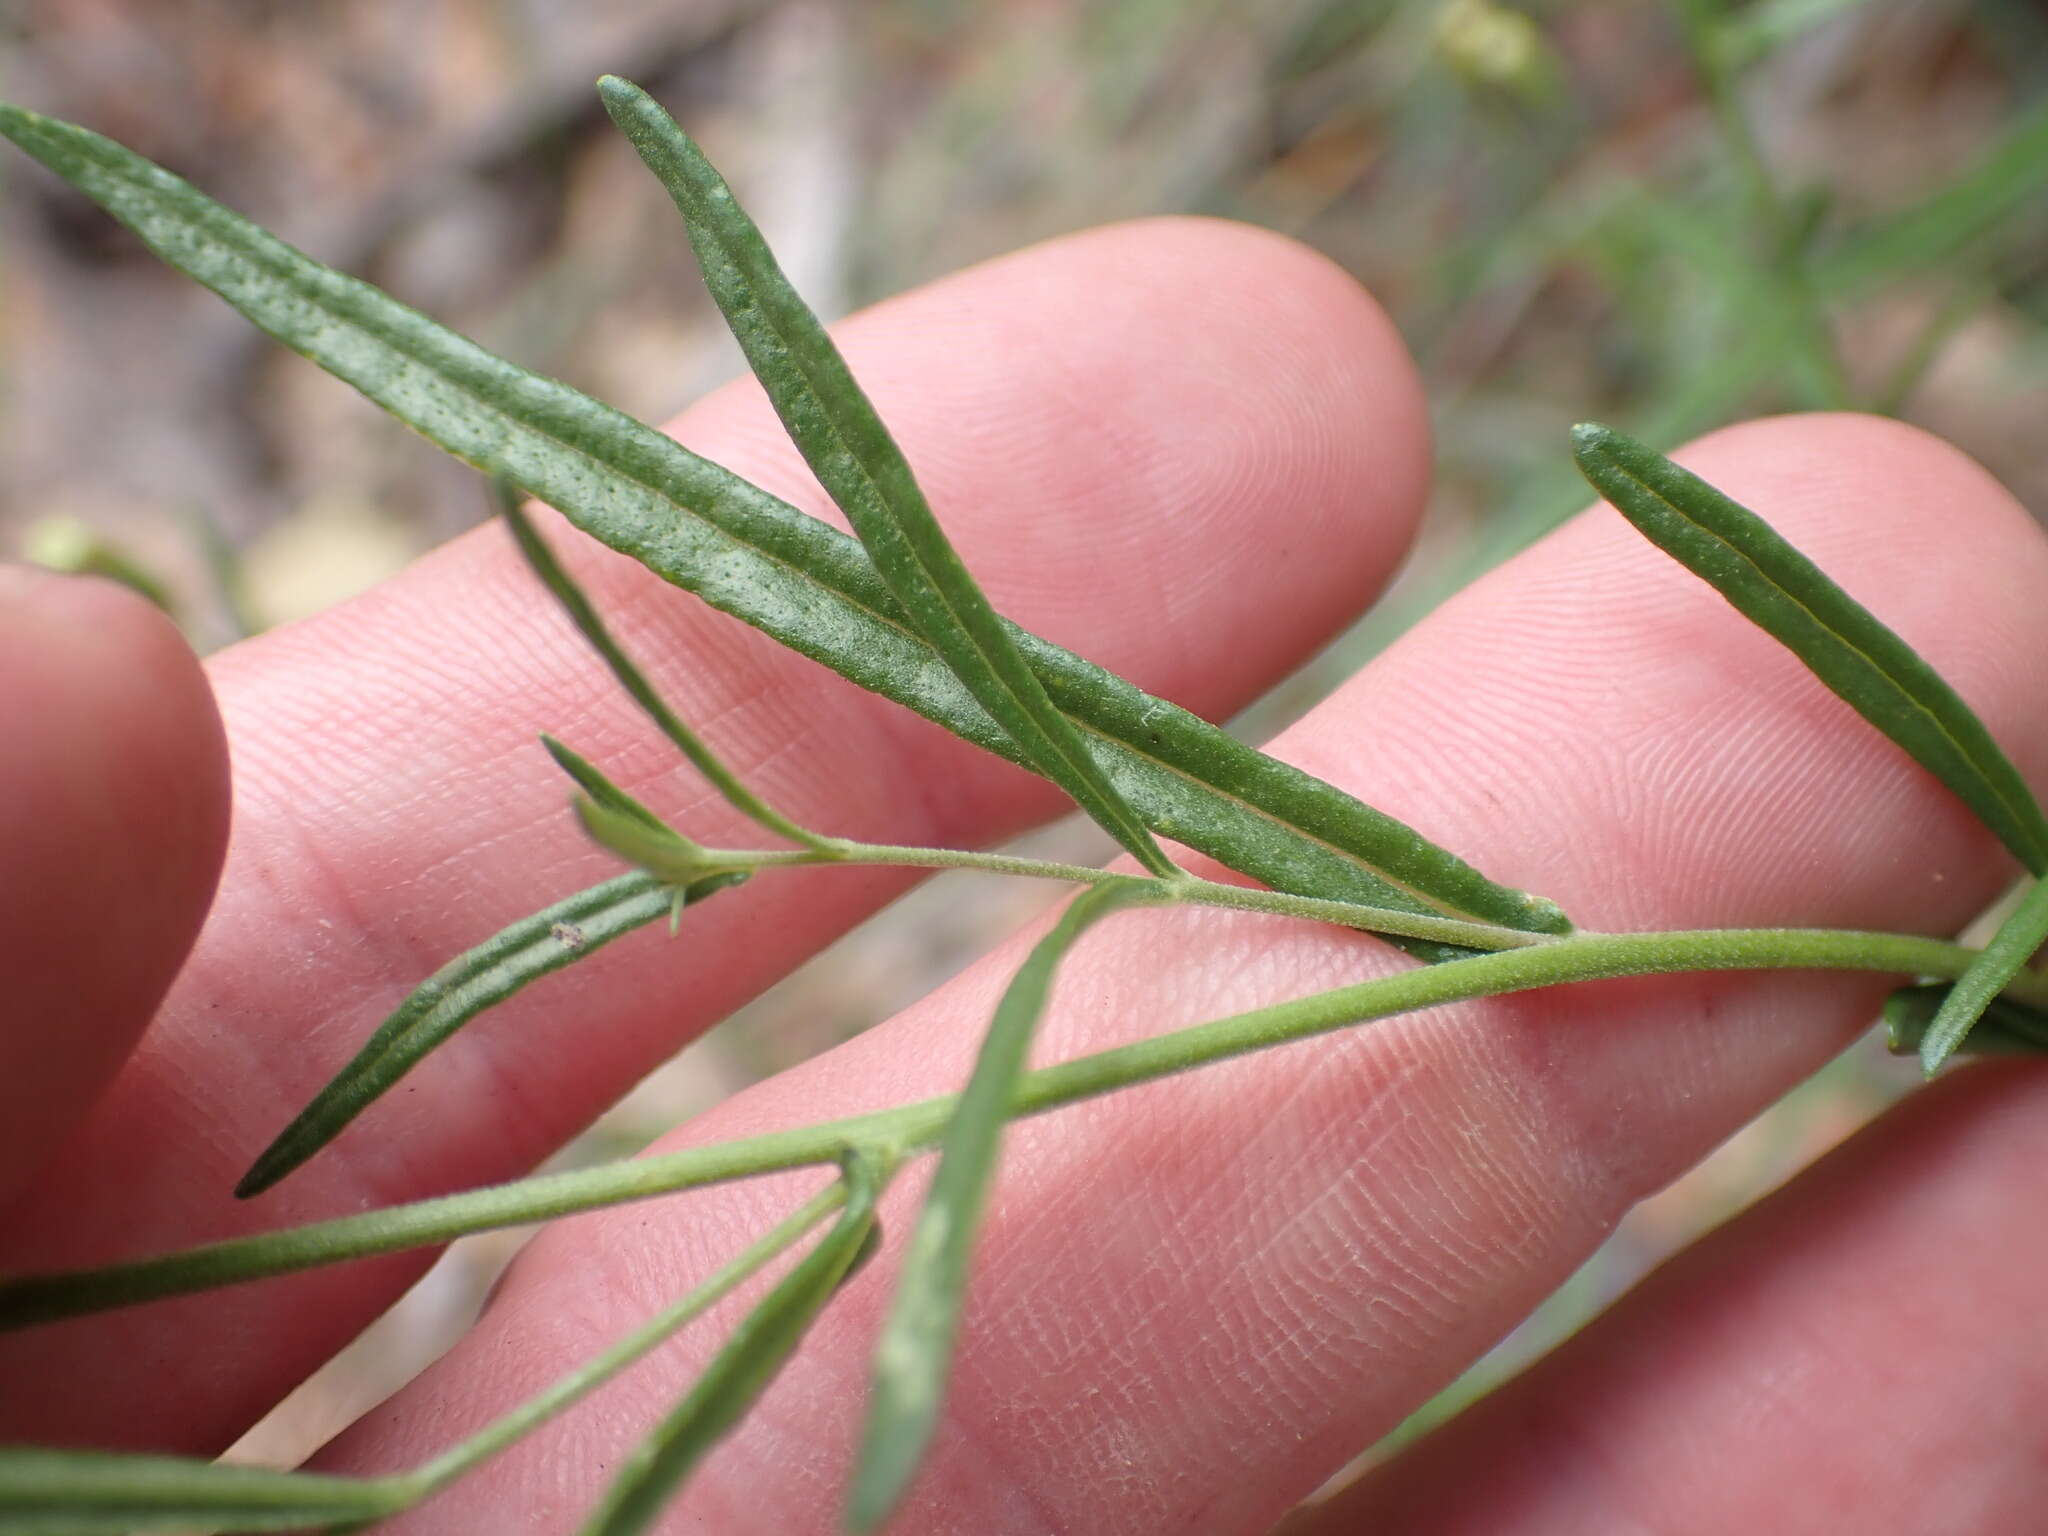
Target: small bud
x=1496, y=48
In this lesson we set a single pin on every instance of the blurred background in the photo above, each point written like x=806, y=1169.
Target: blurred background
x=1666, y=215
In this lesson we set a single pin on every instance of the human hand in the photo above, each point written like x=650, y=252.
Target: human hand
x=1197, y=1299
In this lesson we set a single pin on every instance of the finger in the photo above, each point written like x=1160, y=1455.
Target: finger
x=113, y=817
x=1862, y=1352
x=1195, y=1301
x=1187, y=449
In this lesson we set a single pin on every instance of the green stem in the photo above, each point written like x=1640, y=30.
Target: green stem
x=1701, y=22
x=914, y=1127
x=537, y=1410
x=1183, y=887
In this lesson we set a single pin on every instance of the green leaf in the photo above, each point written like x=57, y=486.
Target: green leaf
x=915, y=1352
x=2002, y=959
x=749, y=554
x=488, y=974
x=583, y=613
x=1841, y=642
x=84, y=1493
x=2005, y=1028
x=592, y=780
x=620, y=824
x=757, y=1351
x=668, y=856
x=836, y=428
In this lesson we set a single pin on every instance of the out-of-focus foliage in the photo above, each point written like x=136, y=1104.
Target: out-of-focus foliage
x=1540, y=194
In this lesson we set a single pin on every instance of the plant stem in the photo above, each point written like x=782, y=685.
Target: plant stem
x=1183, y=887
x=535, y=1411
x=915, y=1127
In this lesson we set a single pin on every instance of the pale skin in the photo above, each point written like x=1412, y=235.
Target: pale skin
x=1199, y=1298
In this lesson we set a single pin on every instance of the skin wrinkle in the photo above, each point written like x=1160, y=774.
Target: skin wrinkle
x=1799, y=1305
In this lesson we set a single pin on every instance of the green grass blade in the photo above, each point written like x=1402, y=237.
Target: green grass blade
x=82, y=1493
x=731, y=1384
x=758, y=558
x=583, y=613
x=915, y=1352
x=1934, y=232
x=529, y=949
x=1841, y=642
x=2009, y=950
x=2005, y=1028
x=841, y=437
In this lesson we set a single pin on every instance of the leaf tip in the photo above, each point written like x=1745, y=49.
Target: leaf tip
x=623, y=100
x=1591, y=437
x=271, y=1165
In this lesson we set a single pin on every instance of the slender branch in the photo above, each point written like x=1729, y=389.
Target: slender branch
x=537, y=1410
x=1186, y=888
x=914, y=1127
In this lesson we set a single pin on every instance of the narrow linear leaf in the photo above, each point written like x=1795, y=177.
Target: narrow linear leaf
x=2002, y=959
x=621, y=825
x=529, y=949
x=85, y=1493
x=593, y=781
x=583, y=613
x=915, y=1352
x=1880, y=676
x=836, y=428
x=2005, y=1028
x=758, y=558
x=751, y=1359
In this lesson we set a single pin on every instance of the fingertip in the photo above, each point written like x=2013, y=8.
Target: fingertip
x=1909, y=489
x=1918, y=531
x=113, y=822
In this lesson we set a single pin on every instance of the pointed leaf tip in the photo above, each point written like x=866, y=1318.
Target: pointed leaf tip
x=2000, y=961
x=533, y=947
x=1590, y=436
